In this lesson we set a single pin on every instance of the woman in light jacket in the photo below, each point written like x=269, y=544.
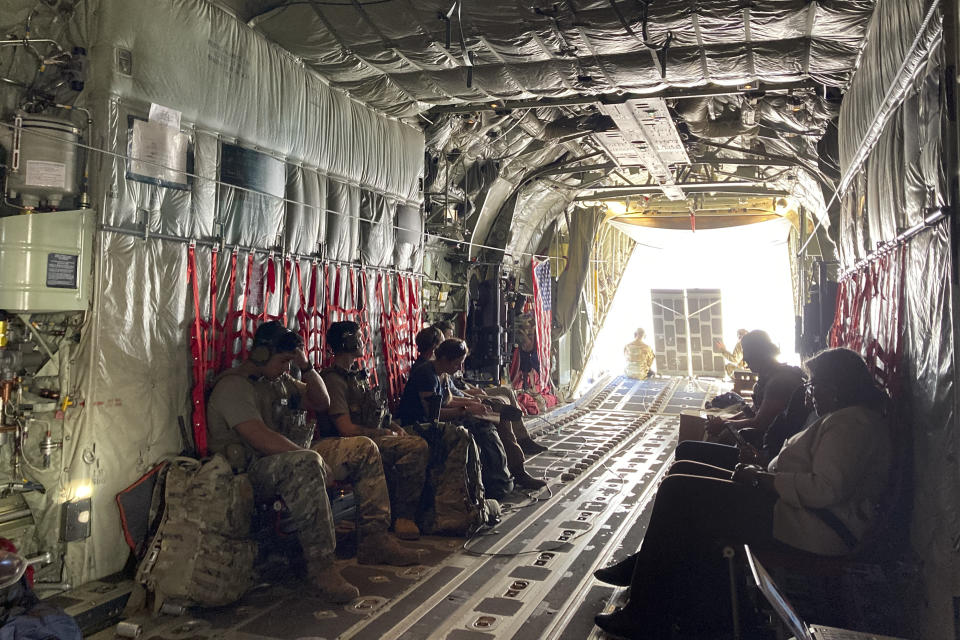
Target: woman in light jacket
x=819, y=495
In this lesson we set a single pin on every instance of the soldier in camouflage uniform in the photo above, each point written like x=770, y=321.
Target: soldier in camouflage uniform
x=735, y=358
x=357, y=412
x=639, y=356
x=256, y=418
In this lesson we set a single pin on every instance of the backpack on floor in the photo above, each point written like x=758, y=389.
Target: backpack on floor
x=452, y=502
x=201, y=551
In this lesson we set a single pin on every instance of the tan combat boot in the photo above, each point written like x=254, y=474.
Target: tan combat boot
x=327, y=579
x=406, y=529
x=382, y=548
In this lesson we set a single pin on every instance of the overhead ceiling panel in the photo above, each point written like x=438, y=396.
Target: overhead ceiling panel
x=646, y=135
x=531, y=50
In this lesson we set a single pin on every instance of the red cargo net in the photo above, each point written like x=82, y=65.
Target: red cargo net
x=869, y=317
x=347, y=300
x=325, y=292
x=399, y=299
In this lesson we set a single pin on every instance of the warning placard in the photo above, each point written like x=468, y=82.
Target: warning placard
x=62, y=270
x=41, y=173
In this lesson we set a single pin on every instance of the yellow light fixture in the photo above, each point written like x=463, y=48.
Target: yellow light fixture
x=616, y=208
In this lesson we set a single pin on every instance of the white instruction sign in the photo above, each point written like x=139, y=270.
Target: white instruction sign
x=41, y=173
x=159, y=152
x=165, y=116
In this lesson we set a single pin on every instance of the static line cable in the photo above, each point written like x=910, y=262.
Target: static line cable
x=285, y=200
x=866, y=145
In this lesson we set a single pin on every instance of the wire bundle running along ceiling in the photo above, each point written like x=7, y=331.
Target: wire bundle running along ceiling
x=406, y=56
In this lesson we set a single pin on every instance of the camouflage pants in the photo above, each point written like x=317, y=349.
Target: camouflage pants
x=357, y=460
x=298, y=477
x=405, y=466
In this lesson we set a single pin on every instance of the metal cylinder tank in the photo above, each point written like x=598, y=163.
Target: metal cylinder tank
x=42, y=161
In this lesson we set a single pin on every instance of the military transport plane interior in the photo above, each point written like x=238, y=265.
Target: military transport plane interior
x=479, y=319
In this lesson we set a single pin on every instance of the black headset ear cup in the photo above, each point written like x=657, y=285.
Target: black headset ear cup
x=260, y=354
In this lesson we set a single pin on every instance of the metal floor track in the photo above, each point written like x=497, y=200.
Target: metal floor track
x=528, y=577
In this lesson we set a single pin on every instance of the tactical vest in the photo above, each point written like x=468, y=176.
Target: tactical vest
x=367, y=405
x=280, y=411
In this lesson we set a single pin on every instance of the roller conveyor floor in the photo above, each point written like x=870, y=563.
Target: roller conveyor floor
x=528, y=577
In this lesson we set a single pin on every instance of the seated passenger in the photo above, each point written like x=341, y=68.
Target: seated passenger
x=797, y=416
x=355, y=410
x=502, y=399
x=776, y=383
x=819, y=495
x=427, y=340
x=639, y=356
x=498, y=448
x=256, y=418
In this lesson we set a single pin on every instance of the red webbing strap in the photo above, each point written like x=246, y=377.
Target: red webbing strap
x=331, y=311
x=362, y=314
x=869, y=315
x=244, y=314
x=211, y=362
x=197, y=352
x=228, y=335
x=269, y=283
x=410, y=304
x=287, y=285
x=386, y=335
x=303, y=320
x=316, y=315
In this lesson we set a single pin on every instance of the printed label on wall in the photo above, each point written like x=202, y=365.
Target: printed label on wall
x=158, y=152
x=62, y=270
x=41, y=173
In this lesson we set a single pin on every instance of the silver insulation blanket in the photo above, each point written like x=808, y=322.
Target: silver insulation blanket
x=225, y=78
x=395, y=56
x=899, y=119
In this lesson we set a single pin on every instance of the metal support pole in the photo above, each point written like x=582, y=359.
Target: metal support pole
x=730, y=554
x=801, y=281
x=686, y=327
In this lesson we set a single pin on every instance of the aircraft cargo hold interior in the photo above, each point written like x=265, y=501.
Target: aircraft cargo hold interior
x=479, y=319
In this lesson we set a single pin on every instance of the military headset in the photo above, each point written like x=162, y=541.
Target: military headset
x=270, y=339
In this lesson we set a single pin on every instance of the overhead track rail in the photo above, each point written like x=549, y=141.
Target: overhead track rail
x=618, y=193
x=669, y=93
